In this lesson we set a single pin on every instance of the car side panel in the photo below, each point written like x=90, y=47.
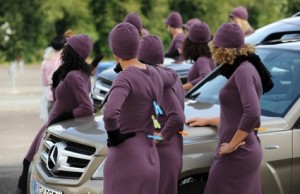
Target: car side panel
x=276, y=168
x=296, y=162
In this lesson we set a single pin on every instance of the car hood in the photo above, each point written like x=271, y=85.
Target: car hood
x=206, y=110
x=85, y=130
x=108, y=74
x=91, y=131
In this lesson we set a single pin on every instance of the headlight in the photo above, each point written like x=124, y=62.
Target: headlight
x=98, y=175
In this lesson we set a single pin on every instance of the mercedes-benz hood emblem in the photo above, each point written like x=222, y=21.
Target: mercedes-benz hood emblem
x=56, y=156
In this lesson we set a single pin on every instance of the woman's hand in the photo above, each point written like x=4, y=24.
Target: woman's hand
x=157, y=134
x=195, y=122
x=227, y=148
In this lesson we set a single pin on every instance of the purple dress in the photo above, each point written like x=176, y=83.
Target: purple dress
x=177, y=43
x=133, y=166
x=71, y=94
x=201, y=68
x=239, y=171
x=171, y=148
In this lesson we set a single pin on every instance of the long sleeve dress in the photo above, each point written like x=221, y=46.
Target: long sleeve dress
x=201, y=68
x=71, y=94
x=238, y=172
x=170, y=150
x=177, y=44
x=133, y=166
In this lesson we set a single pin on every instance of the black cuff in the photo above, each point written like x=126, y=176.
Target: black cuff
x=116, y=137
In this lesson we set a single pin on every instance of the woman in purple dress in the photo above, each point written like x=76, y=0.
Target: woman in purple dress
x=170, y=148
x=239, y=15
x=196, y=49
x=236, y=165
x=71, y=92
x=174, y=27
x=132, y=163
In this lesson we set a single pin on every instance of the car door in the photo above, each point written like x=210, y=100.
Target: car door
x=277, y=159
x=296, y=159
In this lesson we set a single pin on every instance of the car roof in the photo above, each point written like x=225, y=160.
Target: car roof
x=275, y=30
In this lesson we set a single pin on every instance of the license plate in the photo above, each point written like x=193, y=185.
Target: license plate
x=39, y=188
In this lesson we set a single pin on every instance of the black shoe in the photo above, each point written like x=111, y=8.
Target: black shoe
x=22, y=184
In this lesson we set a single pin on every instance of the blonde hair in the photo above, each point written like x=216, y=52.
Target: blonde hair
x=228, y=55
x=244, y=24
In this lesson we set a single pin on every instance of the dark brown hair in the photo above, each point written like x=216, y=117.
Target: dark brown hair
x=71, y=61
x=193, y=50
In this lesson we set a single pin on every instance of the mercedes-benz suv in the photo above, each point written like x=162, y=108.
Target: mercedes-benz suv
x=72, y=153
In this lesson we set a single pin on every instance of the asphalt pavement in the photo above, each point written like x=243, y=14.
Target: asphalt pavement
x=19, y=121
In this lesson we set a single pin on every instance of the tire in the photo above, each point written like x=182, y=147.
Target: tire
x=196, y=187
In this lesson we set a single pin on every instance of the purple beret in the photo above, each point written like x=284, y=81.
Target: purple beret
x=174, y=20
x=151, y=50
x=239, y=12
x=135, y=20
x=229, y=35
x=188, y=24
x=82, y=45
x=199, y=32
x=124, y=40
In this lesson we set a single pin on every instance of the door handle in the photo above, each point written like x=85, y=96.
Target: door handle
x=272, y=147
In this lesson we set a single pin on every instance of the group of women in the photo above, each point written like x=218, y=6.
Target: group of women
x=146, y=104
x=144, y=114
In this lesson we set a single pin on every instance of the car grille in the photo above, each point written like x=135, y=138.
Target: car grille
x=65, y=159
x=105, y=82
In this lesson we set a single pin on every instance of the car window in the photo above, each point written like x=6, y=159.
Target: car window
x=285, y=68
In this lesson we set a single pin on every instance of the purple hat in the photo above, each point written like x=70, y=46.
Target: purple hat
x=124, y=40
x=135, y=20
x=82, y=45
x=174, y=20
x=188, y=24
x=199, y=32
x=229, y=35
x=239, y=12
x=151, y=50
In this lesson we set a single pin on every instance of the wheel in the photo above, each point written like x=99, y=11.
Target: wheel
x=195, y=187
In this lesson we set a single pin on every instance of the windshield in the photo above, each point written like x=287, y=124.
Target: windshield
x=284, y=66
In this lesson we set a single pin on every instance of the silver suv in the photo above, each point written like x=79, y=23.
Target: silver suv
x=72, y=154
x=105, y=78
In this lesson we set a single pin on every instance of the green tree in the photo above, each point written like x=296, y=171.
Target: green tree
x=214, y=13
x=34, y=23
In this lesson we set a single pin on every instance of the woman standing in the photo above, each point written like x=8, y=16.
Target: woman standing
x=71, y=87
x=174, y=27
x=236, y=166
x=239, y=15
x=171, y=147
x=49, y=65
x=132, y=161
x=196, y=49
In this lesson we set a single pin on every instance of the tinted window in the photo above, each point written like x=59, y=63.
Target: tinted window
x=285, y=68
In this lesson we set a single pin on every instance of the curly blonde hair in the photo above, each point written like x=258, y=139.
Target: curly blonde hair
x=228, y=55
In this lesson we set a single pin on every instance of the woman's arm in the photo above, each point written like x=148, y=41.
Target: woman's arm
x=199, y=122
